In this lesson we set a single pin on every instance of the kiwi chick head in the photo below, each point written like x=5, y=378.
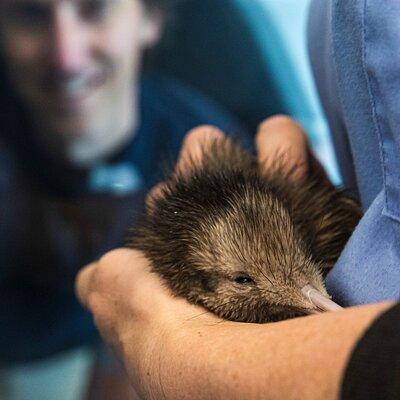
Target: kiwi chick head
x=225, y=239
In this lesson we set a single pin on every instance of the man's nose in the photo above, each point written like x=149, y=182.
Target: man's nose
x=69, y=49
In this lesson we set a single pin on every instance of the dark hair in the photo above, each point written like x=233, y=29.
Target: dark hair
x=6, y=88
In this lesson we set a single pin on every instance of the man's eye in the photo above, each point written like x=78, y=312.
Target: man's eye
x=243, y=279
x=95, y=9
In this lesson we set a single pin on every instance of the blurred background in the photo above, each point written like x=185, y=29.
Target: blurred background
x=251, y=57
x=248, y=57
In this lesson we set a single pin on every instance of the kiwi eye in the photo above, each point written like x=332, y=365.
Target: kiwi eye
x=243, y=279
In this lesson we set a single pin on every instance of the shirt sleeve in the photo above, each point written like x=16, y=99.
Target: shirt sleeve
x=373, y=371
x=368, y=268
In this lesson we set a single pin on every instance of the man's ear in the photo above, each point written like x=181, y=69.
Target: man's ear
x=152, y=28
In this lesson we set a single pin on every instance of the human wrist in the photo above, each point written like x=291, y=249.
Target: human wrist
x=148, y=349
x=160, y=364
x=223, y=360
x=187, y=358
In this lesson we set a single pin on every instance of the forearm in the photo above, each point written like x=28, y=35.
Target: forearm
x=302, y=358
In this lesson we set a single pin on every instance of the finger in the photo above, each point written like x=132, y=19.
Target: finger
x=115, y=269
x=83, y=283
x=282, y=143
x=190, y=155
x=195, y=142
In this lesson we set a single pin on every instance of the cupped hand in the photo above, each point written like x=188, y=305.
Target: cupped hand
x=132, y=308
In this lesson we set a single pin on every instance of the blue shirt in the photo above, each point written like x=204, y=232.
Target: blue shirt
x=55, y=219
x=355, y=53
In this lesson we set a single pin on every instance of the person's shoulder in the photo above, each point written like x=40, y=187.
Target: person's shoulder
x=183, y=104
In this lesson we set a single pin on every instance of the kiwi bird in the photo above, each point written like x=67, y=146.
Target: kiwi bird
x=246, y=244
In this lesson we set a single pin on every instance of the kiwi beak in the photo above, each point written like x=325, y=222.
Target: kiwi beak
x=319, y=302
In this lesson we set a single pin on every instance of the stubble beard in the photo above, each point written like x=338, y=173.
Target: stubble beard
x=101, y=136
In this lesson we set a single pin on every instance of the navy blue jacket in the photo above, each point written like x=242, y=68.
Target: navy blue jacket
x=55, y=220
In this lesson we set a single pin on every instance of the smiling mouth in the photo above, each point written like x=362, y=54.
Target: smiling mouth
x=71, y=95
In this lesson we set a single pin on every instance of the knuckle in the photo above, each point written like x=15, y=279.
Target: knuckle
x=200, y=133
x=275, y=119
x=93, y=302
x=107, y=267
x=283, y=130
x=112, y=257
x=120, y=262
x=155, y=193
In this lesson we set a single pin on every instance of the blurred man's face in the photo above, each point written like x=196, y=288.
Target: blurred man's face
x=74, y=63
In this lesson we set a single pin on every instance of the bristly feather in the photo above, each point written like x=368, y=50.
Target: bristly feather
x=228, y=217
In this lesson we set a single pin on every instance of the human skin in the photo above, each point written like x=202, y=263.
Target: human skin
x=74, y=64
x=174, y=350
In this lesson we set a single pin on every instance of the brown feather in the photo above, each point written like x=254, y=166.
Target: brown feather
x=221, y=224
